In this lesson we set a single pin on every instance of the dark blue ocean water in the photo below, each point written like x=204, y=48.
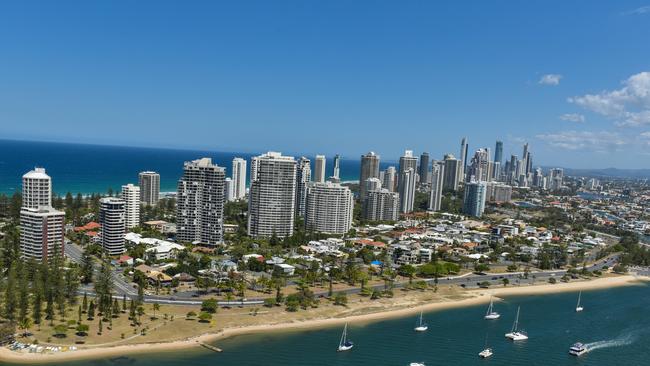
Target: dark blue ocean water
x=88, y=169
x=615, y=325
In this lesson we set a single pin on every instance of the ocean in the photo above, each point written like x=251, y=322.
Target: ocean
x=86, y=169
x=614, y=325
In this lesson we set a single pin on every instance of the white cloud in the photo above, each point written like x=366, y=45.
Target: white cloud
x=601, y=141
x=629, y=105
x=573, y=117
x=638, y=11
x=550, y=79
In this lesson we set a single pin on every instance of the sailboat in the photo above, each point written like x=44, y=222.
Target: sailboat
x=579, y=307
x=515, y=334
x=344, y=344
x=487, y=351
x=491, y=314
x=421, y=326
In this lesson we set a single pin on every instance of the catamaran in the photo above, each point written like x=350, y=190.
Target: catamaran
x=344, y=344
x=416, y=364
x=515, y=334
x=421, y=325
x=491, y=314
x=487, y=351
x=579, y=307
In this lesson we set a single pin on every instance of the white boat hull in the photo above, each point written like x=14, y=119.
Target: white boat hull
x=485, y=353
x=578, y=353
x=421, y=329
x=344, y=348
x=579, y=309
x=516, y=336
x=492, y=316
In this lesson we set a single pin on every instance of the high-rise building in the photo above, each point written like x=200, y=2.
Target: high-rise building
x=369, y=169
x=381, y=205
x=239, y=178
x=37, y=189
x=474, y=200
x=272, y=196
x=480, y=168
x=451, y=172
x=149, y=183
x=229, y=185
x=372, y=184
x=389, y=178
x=498, y=192
x=131, y=196
x=498, y=152
x=437, y=179
x=406, y=162
x=556, y=178
x=423, y=170
x=319, y=169
x=336, y=174
x=407, y=190
x=329, y=208
x=463, y=159
x=254, y=168
x=112, y=217
x=199, y=202
x=303, y=177
x=41, y=226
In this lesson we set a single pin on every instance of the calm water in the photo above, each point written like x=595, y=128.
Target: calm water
x=614, y=323
x=91, y=168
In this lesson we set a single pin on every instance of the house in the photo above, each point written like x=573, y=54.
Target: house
x=124, y=260
x=284, y=268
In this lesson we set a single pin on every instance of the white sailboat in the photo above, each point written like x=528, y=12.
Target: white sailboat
x=579, y=307
x=417, y=364
x=516, y=334
x=491, y=314
x=487, y=351
x=344, y=344
x=421, y=326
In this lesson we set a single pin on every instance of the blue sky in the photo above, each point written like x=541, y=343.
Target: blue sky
x=333, y=76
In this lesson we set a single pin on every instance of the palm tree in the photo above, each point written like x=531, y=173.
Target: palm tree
x=25, y=324
x=156, y=307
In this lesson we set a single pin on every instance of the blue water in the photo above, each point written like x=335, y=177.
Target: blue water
x=614, y=325
x=89, y=169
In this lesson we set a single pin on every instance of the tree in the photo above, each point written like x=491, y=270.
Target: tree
x=340, y=299
x=269, y=302
x=205, y=317
x=552, y=280
x=209, y=305
x=156, y=307
x=407, y=270
x=100, y=326
x=505, y=282
x=91, y=310
x=25, y=324
x=82, y=330
x=60, y=331
x=87, y=268
x=190, y=315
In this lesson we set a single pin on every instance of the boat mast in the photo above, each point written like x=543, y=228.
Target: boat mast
x=579, y=295
x=514, y=326
x=344, y=335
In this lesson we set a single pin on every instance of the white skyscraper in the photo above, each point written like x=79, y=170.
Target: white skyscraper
x=272, y=196
x=149, y=183
x=319, y=169
x=131, y=197
x=329, y=208
x=112, y=217
x=41, y=226
x=369, y=169
x=437, y=179
x=199, y=202
x=406, y=162
x=407, y=190
x=452, y=172
x=303, y=177
x=230, y=189
x=37, y=189
x=239, y=178
x=337, y=168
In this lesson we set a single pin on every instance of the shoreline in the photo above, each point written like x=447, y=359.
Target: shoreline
x=477, y=297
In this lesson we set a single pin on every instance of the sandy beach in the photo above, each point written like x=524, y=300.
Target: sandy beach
x=472, y=297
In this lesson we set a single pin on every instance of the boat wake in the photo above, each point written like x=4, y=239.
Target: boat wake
x=616, y=342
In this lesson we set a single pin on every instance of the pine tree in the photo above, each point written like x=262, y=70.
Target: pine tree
x=84, y=304
x=91, y=310
x=23, y=294
x=10, y=295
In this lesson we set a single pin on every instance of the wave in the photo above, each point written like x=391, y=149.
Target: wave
x=616, y=342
